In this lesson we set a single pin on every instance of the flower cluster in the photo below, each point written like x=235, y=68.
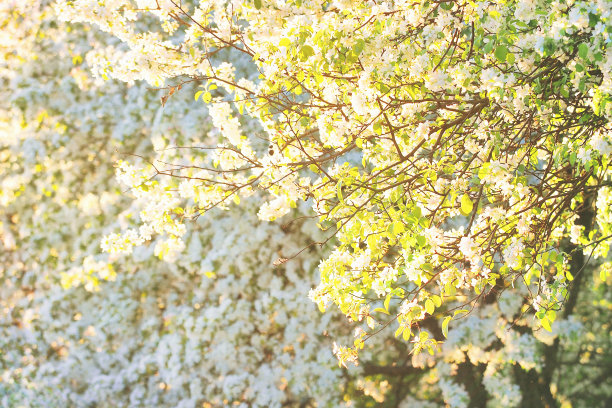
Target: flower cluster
x=455, y=155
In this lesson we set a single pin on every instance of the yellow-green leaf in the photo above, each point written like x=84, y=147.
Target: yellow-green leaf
x=546, y=324
x=437, y=300
x=381, y=310
x=406, y=335
x=429, y=306
x=387, y=301
x=397, y=227
x=466, y=205
x=445, y=322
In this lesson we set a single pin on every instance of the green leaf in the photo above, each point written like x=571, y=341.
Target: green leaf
x=429, y=306
x=466, y=205
x=445, y=322
x=284, y=42
x=258, y=4
x=583, y=51
x=358, y=46
x=197, y=95
x=501, y=52
x=339, y=191
x=421, y=240
x=306, y=52
x=377, y=127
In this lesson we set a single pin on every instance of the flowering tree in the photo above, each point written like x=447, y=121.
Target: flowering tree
x=81, y=328
x=450, y=149
x=453, y=154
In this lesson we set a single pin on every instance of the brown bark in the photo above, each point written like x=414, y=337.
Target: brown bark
x=470, y=376
x=536, y=388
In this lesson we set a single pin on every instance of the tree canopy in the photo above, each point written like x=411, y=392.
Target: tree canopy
x=445, y=163
x=447, y=148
